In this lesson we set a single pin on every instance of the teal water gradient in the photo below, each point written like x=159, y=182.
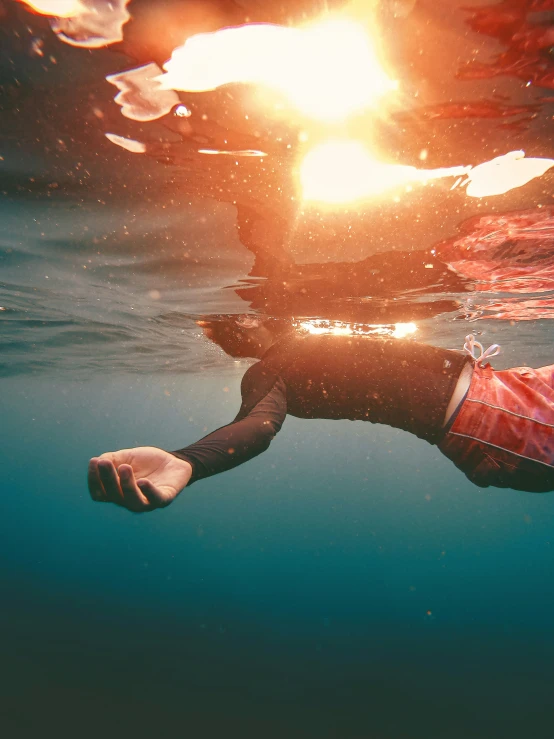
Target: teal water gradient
x=348, y=583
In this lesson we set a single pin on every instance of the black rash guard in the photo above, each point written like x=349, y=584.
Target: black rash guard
x=403, y=384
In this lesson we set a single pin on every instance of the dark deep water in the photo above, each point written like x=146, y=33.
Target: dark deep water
x=342, y=585
x=350, y=583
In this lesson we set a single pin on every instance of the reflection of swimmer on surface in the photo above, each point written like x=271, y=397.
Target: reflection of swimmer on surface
x=508, y=253
x=497, y=427
x=386, y=287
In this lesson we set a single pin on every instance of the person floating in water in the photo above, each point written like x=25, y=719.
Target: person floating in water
x=496, y=426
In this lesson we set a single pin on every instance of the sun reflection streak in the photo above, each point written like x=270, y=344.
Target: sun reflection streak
x=401, y=330
x=344, y=171
x=319, y=327
x=505, y=173
x=234, y=152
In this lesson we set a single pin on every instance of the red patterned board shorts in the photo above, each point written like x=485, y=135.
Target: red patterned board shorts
x=503, y=434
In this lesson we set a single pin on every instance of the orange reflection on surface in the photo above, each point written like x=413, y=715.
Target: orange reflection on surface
x=132, y=145
x=401, y=330
x=513, y=309
x=339, y=328
x=140, y=95
x=343, y=171
x=327, y=70
x=505, y=173
x=89, y=24
x=56, y=8
x=234, y=152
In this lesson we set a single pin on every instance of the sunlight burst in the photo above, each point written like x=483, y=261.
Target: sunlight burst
x=343, y=171
x=327, y=70
x=55, y=8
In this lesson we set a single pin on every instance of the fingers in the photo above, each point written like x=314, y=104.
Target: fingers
x=154, y=496
x=133, y=499
x=110, y=481
x=108, y=485
x=95, y=487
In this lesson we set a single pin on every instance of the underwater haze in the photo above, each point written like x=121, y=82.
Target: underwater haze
x=349, y=583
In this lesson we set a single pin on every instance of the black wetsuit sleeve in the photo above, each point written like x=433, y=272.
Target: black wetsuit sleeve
x=263, y=410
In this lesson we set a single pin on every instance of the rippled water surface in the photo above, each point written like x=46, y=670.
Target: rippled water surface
x=350, y=583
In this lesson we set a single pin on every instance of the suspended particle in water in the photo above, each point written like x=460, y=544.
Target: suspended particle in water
x=36, y=46
x=181, y=111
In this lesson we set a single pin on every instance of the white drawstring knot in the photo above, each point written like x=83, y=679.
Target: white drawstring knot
x=471, y=344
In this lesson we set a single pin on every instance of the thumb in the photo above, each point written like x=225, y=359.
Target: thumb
x=116, y=458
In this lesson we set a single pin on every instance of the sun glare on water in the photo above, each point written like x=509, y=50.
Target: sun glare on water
x=341, y=171
x=320, y=327
x=344, y=171
x=401, y=330
x=55, y=8
x=327, y=70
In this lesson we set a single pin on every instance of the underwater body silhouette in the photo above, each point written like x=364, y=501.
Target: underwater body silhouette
x=497, y=427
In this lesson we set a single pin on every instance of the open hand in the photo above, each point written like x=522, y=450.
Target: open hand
x=139, y=479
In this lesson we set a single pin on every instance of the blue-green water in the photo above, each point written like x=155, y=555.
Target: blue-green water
x=350, y=583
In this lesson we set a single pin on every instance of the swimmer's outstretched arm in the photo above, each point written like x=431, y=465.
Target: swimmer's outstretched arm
x=145, y=478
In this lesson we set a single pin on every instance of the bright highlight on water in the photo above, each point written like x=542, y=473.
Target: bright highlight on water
x=327, y=70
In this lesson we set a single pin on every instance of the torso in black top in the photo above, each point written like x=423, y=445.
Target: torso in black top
x=396, y=382
x=400, y=383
